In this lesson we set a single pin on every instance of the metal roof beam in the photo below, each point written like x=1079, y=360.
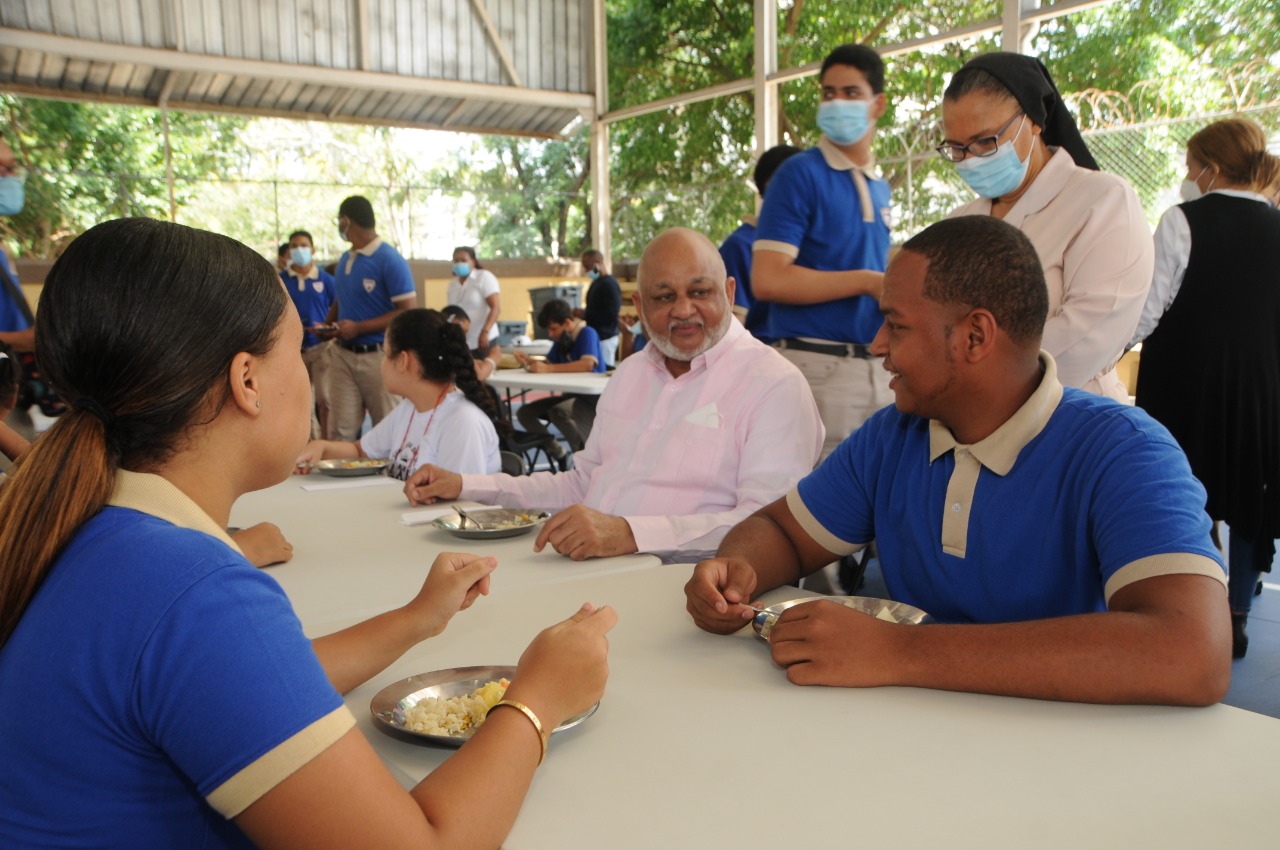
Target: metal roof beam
x=97, y=51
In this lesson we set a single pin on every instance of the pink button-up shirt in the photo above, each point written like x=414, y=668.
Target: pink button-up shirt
x=684, y=459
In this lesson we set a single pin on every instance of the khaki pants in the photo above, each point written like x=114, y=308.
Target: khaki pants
x=847, y=389
x=355, y=385
x=317, y=359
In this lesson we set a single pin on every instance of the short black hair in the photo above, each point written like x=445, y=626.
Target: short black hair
x=358, y=209
x=769, y=162
x=453, y=311
x=295, y=234
x=860, y=56
x=556, y=311
x=283, y=250
x=980, y=261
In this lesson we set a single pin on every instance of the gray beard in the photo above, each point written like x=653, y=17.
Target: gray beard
x=711, y=337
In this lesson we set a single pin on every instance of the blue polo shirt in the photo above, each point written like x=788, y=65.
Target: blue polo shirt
x=1073, y=498
x=816, y=213
x=311, y=293
x=157, y=685
x=367, y=282
x=11, y=318
x=586, y=342
x=736, y=253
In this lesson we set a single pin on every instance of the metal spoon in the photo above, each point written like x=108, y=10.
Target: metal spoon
x=466, y=519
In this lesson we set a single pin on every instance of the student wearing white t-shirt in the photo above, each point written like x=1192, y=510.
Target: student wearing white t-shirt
x=475, y=289
x=446, y=416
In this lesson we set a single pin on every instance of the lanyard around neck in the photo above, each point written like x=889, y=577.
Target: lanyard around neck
x=413, y=462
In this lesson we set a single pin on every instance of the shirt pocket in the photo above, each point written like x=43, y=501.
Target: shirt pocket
x=702, y=450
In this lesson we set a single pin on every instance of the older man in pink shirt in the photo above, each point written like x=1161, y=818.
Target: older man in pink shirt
x=692, y=435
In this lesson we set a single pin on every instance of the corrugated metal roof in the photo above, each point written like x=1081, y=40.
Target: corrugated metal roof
x=520, y=67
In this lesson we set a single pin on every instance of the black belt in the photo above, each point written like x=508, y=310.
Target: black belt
x=358, y=348
x=841, y=349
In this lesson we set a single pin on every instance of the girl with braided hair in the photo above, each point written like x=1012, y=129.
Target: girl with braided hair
x=446, y=416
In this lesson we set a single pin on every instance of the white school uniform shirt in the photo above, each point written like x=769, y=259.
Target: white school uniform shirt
x=472, y=295
x=460, y=437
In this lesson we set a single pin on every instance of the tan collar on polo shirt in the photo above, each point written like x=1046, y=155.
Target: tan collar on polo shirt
x=837, y=161
x=367, y=251
x=158, y=497
x=307, y=274
x=998, y=452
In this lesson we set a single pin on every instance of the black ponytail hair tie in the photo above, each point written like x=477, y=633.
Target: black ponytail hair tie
x=88, y=404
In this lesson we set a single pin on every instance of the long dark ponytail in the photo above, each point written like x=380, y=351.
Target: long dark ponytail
x=441, y=349
x=137, y=324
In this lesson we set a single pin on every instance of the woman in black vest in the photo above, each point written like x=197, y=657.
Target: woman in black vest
x=1210, y=369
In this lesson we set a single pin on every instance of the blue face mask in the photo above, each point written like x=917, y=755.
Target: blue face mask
x=593, y=274
x=461, y=269
x=12, y=195
x=844, y=121
x=997, y=175
x=300, y=256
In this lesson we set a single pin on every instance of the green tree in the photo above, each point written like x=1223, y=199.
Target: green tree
x=90, y=162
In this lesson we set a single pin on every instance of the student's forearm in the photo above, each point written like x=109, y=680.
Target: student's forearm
x=1110, y=657
x=12, y=444
x=776, y=277
x=354, y=655
x=761, y=542
x=583, y=365
x=22, y=341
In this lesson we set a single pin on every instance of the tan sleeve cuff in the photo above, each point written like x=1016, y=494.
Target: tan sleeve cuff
x=815, y=529
x=791, y=251
x=271, y=768
x=1173, y=563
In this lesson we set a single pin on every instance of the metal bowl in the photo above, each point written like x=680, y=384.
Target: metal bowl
x=350, y=467
x=490, y=523
x=390, y=704
x=883, y=609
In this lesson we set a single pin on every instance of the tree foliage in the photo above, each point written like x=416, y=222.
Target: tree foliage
x=88, y=162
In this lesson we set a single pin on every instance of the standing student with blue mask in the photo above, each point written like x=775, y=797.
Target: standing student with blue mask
x=15, y=330
x=311, y=290
x=822, y=242
x=475, y=289
x=372, y=283
x=1015, y=144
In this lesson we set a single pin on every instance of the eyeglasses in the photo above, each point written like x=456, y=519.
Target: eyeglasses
x=986, y=146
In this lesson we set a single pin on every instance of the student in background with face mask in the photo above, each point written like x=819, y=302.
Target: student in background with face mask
x=1015, y=144
x=821, y=246
x=1211, y=366
x=604, y=303
x=311, y=290
x=475, y=289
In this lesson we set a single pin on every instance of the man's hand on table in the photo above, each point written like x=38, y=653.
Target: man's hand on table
x=263, y=544
x=825, y=643
x=431, y=483
x=454, y=582
x=718, y=595
x=580, y=533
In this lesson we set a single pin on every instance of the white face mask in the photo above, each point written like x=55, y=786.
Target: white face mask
x=1190, y=189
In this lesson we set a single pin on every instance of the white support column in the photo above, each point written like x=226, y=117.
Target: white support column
x=766, y=65
x=1014, y=36
x=163, y=103
x=601, y=202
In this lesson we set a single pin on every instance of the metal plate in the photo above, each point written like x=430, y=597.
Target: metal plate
x=884, y=609
x=494, y=522
x=390, y=704
x=350, y=467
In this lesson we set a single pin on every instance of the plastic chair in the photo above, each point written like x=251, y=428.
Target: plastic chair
x=527, y=446
x=512, y=463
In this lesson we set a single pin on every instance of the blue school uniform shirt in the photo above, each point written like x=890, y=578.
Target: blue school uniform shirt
x=586, y=342
x=368, y=282
x=312, y=293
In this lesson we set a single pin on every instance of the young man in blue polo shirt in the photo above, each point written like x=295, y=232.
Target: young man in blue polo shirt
x=736, y=249
x=311, y=290
x=1061, y=535
x=576, y=349
x=372, y=283
x=822, y=242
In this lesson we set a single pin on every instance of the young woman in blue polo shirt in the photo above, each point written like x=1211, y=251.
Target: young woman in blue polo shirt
x=158, y=690
x=446, y=415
